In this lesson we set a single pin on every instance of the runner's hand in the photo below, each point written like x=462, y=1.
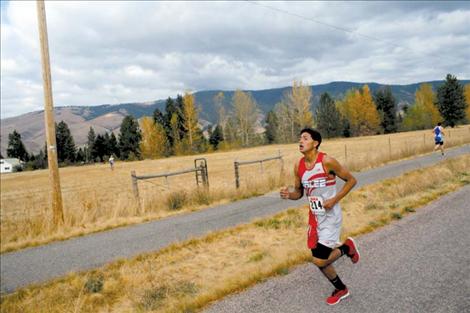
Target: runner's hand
x=284, y=193
x=329, y=203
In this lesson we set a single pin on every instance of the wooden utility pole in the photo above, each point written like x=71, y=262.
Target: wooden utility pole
x=55, y=192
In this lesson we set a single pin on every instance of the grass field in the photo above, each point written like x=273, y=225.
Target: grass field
x=96, y=198
x=187, y=276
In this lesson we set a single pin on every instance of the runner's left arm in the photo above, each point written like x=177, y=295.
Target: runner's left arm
x=332, y=165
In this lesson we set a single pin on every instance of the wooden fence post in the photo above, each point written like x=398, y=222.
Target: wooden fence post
x=237, y=176
x=135, y=189
x=389, y=148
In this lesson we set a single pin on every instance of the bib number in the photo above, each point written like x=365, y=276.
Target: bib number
x=316, y=205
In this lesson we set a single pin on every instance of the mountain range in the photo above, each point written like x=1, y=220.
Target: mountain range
x=107, y=117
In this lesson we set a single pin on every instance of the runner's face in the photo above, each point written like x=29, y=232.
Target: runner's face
x=306, y=143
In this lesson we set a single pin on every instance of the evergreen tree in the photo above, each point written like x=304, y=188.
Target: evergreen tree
x=386, y=105
x=100, y=148
x=159, y=117
x=16, y=148
x=80, y=155
x=129, y=138
x=91, y=154
x=107, y=145
x=66, y=149
x=216, y=137
x=113, y=145
x=170, y=109
x=328, y=117
x=271, y=127
x=451, y=101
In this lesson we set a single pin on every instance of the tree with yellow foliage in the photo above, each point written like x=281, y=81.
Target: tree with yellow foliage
x=299, y=99
x=466, y=92
x=360, y=111
x=424, y=113
x=153, y=143
x=190, y=114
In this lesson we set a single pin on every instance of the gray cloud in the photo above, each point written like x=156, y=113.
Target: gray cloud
x=111, y=52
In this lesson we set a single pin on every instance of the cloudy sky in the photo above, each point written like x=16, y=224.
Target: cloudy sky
x=114, y=52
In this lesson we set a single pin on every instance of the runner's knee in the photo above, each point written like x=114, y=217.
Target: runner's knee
x=320, y=263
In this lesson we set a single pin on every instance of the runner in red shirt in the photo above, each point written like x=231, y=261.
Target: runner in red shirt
x=315, y=174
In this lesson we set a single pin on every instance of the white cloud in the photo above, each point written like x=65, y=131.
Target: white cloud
x=112, y=52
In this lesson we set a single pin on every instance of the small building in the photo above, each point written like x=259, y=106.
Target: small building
x=8, y=165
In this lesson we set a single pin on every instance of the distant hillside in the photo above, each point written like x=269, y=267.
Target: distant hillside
x=107, y=118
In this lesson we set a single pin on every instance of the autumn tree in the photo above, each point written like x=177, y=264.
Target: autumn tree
x=153, y=143
x=328, y=118
x=191, y=127
x=299, y=101
x=423, y=113
x=451, y=101
x=360, y=111
x=245, y=115
x=466, y=91
x=221, y=112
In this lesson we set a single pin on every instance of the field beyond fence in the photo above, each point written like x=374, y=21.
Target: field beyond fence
x=96, y=198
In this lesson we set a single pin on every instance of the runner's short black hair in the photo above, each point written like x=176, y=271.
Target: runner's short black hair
x=314, y=133
x=439, y=124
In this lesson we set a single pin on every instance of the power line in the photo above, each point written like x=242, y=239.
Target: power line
x=346, y=30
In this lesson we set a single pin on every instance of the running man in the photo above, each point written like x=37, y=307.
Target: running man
x=438, y=132
x=316, y=174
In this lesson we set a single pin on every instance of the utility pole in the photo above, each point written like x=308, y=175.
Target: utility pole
x=54, y=179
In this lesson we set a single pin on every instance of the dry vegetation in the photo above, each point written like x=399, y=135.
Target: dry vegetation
x=96, y=198
x=187, y=276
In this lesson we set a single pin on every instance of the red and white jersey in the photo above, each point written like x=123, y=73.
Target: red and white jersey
x=324, y=225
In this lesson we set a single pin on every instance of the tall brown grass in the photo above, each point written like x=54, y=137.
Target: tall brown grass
x=187, y=276
x=96, y=198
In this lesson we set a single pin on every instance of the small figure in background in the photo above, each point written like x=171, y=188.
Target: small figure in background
x=438, y=132
x=111, y=163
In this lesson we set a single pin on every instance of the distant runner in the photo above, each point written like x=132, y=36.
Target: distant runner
x=316, y=174
x=438, y=132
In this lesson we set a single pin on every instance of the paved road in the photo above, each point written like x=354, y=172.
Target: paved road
x=418, y=264
x=38, y=264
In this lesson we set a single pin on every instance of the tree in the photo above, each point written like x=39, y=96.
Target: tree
x=129, y=138
x=451, y=101
x=360, y=111
x=153, y=143
x=100, y=147
x=245, y=115
x=219, y=106
x=387, y=108
x=271, y=127
x=328, y=117
x=216, y=137
x=80, y=155
x=300, y=101
x=190, y=121
x=90, y=155
x=16, y=148
x=285, y=120
x=66, y=149
x=467, y=99
x=424, y=113
x=113, y=147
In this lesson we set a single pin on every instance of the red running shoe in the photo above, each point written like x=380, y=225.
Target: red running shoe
x=353, y=251
x=337, y=296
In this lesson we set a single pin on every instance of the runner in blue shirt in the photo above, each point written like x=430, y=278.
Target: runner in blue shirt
x=438, y=132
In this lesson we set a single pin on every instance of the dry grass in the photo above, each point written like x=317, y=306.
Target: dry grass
x=187, y=276
x=96, y=198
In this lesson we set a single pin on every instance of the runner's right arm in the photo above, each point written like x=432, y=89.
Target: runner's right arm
x=298, y=188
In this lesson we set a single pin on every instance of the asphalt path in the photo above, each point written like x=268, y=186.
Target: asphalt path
x=418, y=264
x=42, y=263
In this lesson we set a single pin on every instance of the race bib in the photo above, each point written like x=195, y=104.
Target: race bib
x=316, y=205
